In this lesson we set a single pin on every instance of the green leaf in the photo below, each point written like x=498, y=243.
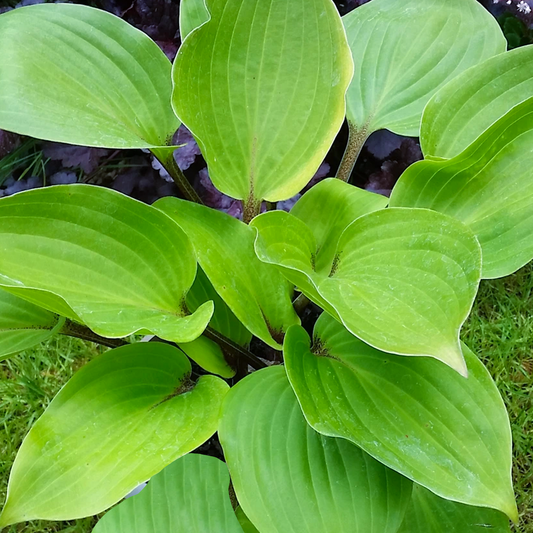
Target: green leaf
x=120, y=420
x=257, y=293
x=189, y=496
x=193, y=13
x=23, y=325
x=403, y=280
x=470, y=104
x=101, y=258
x=430, y=514
x=75, y=74
x=290, y=479
x=244, y=521
x=415, y=415
x=405, y=51
x=488, y=187
x=270, y=76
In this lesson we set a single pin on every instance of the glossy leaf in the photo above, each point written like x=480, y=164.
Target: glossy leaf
x=469, y=105
x=415, y=415
x=403, y=280
x=193, y=13
x=23, y=325
x=405, y=51
x=257, y=293
x=120, y=420
x=94, y=255
x=271, y=75
x=290, y=479
x=189, y=496
x=488, y=187
x=79, y=75
x=430, y=514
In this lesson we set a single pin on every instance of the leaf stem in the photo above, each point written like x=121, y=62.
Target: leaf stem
x=73, y=329
x=356, y=140
x=250, y=209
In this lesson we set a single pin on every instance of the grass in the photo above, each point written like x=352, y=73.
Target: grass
x=500, y=331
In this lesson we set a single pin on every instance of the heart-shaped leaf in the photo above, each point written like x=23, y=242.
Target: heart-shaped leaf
x=403, y=280
x=404, y=51
x=101, y=258
x=415, y=415
x=120, y=420
x=271, y=75
x=467, y=106
x=488, y=187
x=193, y=13
x=189, y=496
x=79, y=75
x=428, y=513
x=23, y=325
x=290, y=479
x=257, y=293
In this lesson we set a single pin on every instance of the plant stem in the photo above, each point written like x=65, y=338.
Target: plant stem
x=235, y=351
x=250, y=209
x=72, y=329
x=356, y=140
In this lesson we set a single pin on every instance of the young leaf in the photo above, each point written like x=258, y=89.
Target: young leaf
x=120, y=266
x=405, y=51
x=403, y=280
x=290, y=479
x=117, y=422
x=415, y=415
x=79, y=75
x=193, y=13
x=23, y=325
x=467, y=106
x=257, y=293
x=487, y=186
x=261, y=86
x=189, y=496
x=428, y=513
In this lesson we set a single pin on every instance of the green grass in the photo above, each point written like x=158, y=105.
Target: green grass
x=500, y=331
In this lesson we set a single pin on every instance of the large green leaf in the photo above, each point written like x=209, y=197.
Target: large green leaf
x=428, y=513
x=189, y=496
x=120, y=420
x=403, y=280
x=257, y=293
x=193, y=13
x=23, y=325
x=97, y=256
x=79, y=75
x=290, y=479
x=466, y=107
x=404, y=51
x=261, y=86
x=417, y=416
x=244, y=521
x=488, y=187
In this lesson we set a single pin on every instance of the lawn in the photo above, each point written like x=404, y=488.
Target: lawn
x=500, y=330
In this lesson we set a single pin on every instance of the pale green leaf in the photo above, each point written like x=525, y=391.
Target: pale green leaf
x=193, y=13
x=428, y=513
x=23, y=325
x=488, y=187
x=404, y=51
x=447, y=433
x=261, y=86
x=118, y=265
x=189, y=496
x=120, y=420
x=79, y=75
x=402, y=280
x=466, y=107
x=290, y=479
x=257, y=293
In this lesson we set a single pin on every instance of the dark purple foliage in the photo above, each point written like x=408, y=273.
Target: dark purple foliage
x=8, y=142
x=72, y=156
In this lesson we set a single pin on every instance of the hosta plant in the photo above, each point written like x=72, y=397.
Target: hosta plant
x=374, y=419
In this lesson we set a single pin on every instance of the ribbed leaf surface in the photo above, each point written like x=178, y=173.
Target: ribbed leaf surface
x=193, y=13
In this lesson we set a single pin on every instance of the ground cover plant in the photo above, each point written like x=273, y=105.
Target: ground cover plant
x=379, y=419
